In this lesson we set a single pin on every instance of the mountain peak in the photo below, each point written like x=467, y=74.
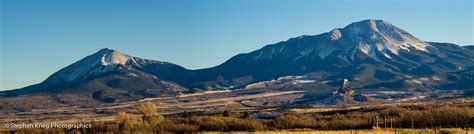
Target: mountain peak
x=109, y=56
x=371, y=35
x=106, y=50
x=104, y=60
x=371, y=22
x=370, y=26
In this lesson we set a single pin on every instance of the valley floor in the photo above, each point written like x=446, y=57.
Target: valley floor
x=246, y=110
x=371, y=131
x=211, y=102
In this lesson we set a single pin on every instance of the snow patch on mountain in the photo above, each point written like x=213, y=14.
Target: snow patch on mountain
x=103, y=61
x=113, y=57
x=285, y=80
x=336, y=34
x=371, y=37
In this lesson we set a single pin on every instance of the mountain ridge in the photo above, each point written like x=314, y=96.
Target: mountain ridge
x=368, y=52
x=298, y=52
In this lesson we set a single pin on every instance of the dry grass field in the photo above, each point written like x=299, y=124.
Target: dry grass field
x=229, y=112
x=144, y=118
x=378, y=131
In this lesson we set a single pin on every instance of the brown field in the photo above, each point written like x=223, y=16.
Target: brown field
x=373, y=131
x=412, y=119
x=228, y=111
x=378, y=131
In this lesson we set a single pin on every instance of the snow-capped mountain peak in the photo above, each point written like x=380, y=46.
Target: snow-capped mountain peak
x=110, y=56
x=370, y=36
x=374, y=38
x=104, y=60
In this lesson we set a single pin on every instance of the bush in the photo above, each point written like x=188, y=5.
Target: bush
x=153, y=120
x=226, y=113
x=128, y=121
x=217, y=123
x=392, y=112
x=451, y=131
x=348, y=123
x=147, y=109
x=150, y=118
x=446, y=116
x=294, y=120
x=170, y=126
x=210, y=123
x=245, y=125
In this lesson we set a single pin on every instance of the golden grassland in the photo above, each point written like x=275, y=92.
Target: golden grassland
x=371, y=131
x=418, y=119
x=298, y=131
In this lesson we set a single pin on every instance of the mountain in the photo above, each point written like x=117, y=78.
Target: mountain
x=471, y=47
x=372, y=54
x=109, y=76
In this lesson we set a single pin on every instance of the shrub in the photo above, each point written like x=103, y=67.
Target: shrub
x=446, y=116
x=179, y=127
x=153, y=120
x=294, y=120
x=348, y=123
x=246, y=115
x=391, y=112
x=217, y=123
x=226, y=113
x=150, y=117
x=245, y=125
x=146, y=109
x=210, y=123
x=451, y=131
x=128, y=121
x=186, y=114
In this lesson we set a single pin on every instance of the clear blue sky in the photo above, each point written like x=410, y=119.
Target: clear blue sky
x=39, y=37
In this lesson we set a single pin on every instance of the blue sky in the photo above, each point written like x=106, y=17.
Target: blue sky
x=39, y=37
